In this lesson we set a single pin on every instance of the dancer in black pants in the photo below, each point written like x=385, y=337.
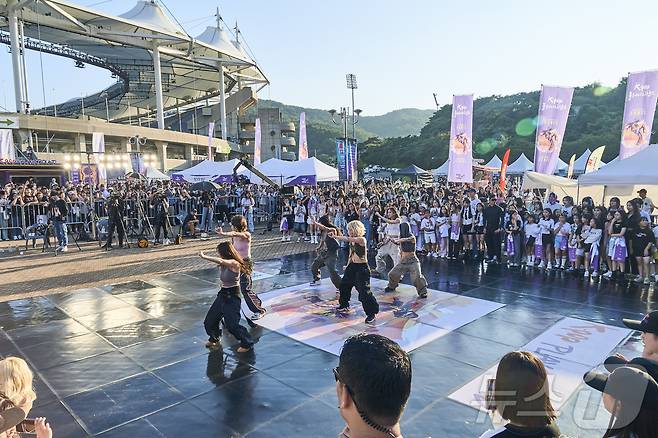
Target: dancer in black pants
x=241, y=239
x=493, y=228
x=357, y=272
x=227, y=304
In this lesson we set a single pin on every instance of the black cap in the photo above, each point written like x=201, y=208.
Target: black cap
x=649, y=323
x=614, y=362
x=10, y=418
x=627, y=384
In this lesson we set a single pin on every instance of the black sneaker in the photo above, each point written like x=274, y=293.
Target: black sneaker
x=370, y=319
x=422, y=294
x=343, y=309
x=389, y=289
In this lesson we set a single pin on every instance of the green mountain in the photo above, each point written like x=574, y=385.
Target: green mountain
x=500, y=122
x=322, y=132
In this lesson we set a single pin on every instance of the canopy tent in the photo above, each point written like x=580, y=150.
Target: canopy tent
x=581, y=162
x=442, y=170
x=414, y=173
x=520, y=166
x=623, y=178
x=153, y=174
x=310, y=172
x=216, y=171
x=562, y=168
x=495, y=162
x=551, y=183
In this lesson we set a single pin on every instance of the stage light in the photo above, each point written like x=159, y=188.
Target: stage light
x=67, y=166
x=67, y=157
x=76, y=158
x=76, y=165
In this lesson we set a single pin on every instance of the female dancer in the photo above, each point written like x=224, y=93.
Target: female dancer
x=227, y=304
x=357, y=273
x=327, y=252
x=241, y=240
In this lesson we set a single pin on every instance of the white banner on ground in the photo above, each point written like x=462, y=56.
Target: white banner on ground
x=7, y=151
x=307, y=314
x=568, y=349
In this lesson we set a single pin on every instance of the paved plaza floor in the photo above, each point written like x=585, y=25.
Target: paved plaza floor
x=128, y=358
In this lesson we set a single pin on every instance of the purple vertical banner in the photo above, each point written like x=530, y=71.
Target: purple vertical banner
x=554, y=105
x=352, y=162
x=303, y=143
x=257, y=143
x=639, y=108
x=460, y=164
x=75, y=176
x=341, y=159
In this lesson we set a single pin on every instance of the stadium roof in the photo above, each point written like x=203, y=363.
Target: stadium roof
x=124, y=45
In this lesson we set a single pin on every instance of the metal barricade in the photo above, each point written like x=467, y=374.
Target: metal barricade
x=11, y=222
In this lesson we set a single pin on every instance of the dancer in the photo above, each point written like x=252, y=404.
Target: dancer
x=388, y=247
x=327, y=252
x=357, y=274
x=227, y=304
x=408, y=263
x=241, y=240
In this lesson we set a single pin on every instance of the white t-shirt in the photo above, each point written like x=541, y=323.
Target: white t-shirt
x=474, y=204
x=393, y=230
x=546, y=225
x=300, y=212
x=553, y=207
x=562, y=229
x=592, y=235
x=427, y=225
x=247, y=204
x=646, y=204
x=416, y=218
x=531, y=230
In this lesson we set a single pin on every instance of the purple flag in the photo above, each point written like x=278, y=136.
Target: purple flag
x=641, y=89
x=303, y=145
x=554, y=105
x=352, y=171
x=257, y=143
x=460, y=164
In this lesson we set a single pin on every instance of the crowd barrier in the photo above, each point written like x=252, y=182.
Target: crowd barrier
x=83, y=218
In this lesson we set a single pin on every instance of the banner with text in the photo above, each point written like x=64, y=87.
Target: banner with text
x=594, y=160
x=341, y=159
x=352, y=171
x=303, y=145
x=98, y=147
x=639, y=108
x=554, y=105
x=257, y=143
x=568, y=349
x=460, y=164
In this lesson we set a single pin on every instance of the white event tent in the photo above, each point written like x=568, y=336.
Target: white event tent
x=303, y=172
x=495, y=162
x=623, y=178
x=442, y=170
x=581, y=162
x=551, y=183
x=520, y=166
x=216, y=171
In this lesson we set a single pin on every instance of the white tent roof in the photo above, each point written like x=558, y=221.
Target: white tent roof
x=639, y=169
x=552, y=183
x=495, y=162
x=561, y=166
x=311, y=167
x=521, y=165
x=154, y=174
x=207, y=170
x=442, y=170
x=581, y=162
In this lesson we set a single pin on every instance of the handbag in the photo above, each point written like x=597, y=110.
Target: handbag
x=284, y=225
x=620, y=253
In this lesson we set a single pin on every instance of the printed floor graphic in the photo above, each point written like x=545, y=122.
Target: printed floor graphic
x=569, y=349
x=307, y=314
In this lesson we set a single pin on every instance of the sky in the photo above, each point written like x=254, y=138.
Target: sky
x=400, y=51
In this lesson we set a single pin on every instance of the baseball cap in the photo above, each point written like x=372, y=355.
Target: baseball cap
x=10, y=418
x=614, y=362
x=649, y=324
x=628, y=384
x=642, y=191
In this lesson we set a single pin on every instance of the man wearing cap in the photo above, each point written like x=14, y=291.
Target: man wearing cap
x=647, y=203
x=649, y=359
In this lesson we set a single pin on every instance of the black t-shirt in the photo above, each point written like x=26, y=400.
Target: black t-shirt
x=511, y=431
x=493, y=217
x=59, y=210
x=641, y=237
x=616, y=227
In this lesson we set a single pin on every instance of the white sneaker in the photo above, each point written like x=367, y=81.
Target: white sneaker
x=542, y=265
x=586, y=274
x=299, y=239
x=607, y=275
x=287, y=238
x=283, y=238
x=595, y=274
x=167, y=242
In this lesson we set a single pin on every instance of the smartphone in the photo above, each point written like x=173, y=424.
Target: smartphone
x=26, y=426
x=490, y=403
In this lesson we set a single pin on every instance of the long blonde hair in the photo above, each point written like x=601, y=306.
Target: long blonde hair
x=16, y=381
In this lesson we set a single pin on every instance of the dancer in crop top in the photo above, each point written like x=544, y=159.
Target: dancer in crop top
x=357, y=273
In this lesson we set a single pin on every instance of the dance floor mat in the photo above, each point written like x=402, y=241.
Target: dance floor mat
x=569, y=349
x=308, y=314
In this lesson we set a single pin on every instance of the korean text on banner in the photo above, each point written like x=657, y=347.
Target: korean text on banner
x=460, y=165
x=341, y=159
x=303, y=145
x=257, y=143
x=639, y=108
x=554, y=106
